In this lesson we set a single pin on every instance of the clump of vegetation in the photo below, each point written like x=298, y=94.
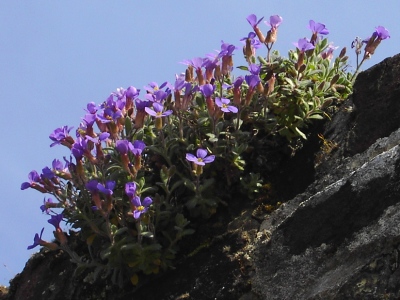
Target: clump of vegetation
x=142, y=167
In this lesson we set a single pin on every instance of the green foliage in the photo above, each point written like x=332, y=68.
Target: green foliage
x=305, y=92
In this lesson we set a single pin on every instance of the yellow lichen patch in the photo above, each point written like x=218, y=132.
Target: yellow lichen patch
x=135, y=279
x=327, y=148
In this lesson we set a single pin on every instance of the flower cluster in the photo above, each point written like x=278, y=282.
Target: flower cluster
x=132, y=183
x=371, y=43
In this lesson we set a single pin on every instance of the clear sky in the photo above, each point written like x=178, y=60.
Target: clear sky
x=56, y=56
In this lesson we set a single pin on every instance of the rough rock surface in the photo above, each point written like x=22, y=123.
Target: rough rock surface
x=337, y=238
x=340, y=239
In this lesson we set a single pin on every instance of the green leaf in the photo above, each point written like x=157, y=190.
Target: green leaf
x=261, y=60
x=187, y=232
x=244, y=68
x=120, y=231
x=147, y=234
x=316, y=117
x=300, y=133
x=290, y=81
x=128, y=126
x=190, y=185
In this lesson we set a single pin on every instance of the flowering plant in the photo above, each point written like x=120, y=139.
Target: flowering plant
x=132, y=184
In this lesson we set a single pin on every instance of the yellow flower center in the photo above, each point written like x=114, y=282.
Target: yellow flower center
x=140, y=208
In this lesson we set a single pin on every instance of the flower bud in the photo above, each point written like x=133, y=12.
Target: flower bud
x=200, y=77
x=210, y=106
x=248, y=50
x=189, y=74
x=237, y=96
x=177, y=98
x=259, y=34
x=343, y=52
x=269, y=87
x=198, y=169
x=138, y=162
x=139, y=119
x=159, y=123
x=217, y=72
x=300, y=60
x=271, y=36
x=227, y=64
x=60, y=236
x=249, y=96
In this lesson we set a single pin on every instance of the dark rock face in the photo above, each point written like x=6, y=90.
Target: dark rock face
x=377, y=102
x=341, y=239
x=338, y=238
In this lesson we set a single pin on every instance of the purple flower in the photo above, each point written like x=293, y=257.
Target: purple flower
x=58, y=233
x=226, y=49
x=91, y=107
x=252, y=80
x=91, y=185
x=59, y=135
x=100, y=138
x=137, y=147
x=157, y=110
x=381, y=32
x=132, y=92
x=119, y=93
x=37, y=240
x=89, y=119
x=252, y=19
x=55, y=220
x=255, y=43
x=201, y=157
x=304, y=45
x=274, y=21
x=152, y=87
x=47, y=173
x=358, y=43
x=179, y=82
x=238, y=82
x=223, y=104
x=79, y=148
x=254, y=69
x=47, y=204
x=58, y=165
x=130, y=189
x=123, y=146
x=329, y=52
x=160, y=95
x=197, y=62
x=210, y=64
x=110, y=115
x=207, y=90
x=140, y=207
x=108, y=188
x=34, y=178
x=318, y=28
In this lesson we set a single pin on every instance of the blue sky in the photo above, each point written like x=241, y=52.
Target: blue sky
x=56, y=56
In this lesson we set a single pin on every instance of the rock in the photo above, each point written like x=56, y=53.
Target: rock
x=337, y=238
x=340, y=238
